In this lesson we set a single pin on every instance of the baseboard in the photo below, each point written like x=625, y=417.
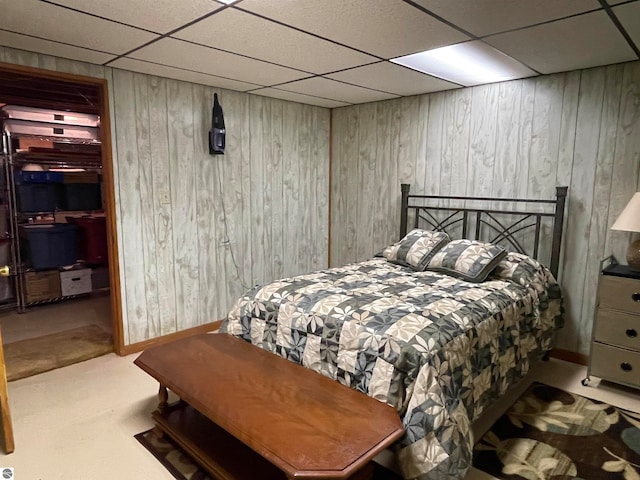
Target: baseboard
x=569, y=356
x=140, y=346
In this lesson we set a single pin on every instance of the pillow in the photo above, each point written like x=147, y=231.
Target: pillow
x=517, y=267
x=416, y=248
x=469, y=260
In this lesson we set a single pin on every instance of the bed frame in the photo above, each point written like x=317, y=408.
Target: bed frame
x=505, y=221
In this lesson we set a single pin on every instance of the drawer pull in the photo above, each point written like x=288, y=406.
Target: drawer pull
x=631, y=333
x=635, y=297
x=626, y=366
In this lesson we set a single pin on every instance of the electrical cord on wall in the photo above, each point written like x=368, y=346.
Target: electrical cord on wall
x=226, y=241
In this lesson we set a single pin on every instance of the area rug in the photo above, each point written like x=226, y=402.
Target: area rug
x=552, y=434
x=182, y=467
x=37, y=355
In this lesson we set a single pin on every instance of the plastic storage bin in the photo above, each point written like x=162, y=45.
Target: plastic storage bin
x=6, y=289
x=81, y=196
x=37, y=197
x=49, y=245
x=92, y=239
x=31, y=176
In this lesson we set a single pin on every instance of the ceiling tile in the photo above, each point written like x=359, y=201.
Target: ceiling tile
x=579, y=42
x=387, y=28
x=24, y=42
x=327, y=88
x=629, y=16
x=181, y=54
x=393, y=79
x=159, y=16
x=484, y=17
x=231, y=30
x=178, y=74
x=617, y=2
x=51, y=22
x=298, y=97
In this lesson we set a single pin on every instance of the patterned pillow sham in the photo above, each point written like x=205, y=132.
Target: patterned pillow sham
x=469, y=260
x=517, y=267
x=416, y=249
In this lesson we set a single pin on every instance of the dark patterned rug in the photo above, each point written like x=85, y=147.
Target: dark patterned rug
x=547, y=434
x=182, y=467
x=178, y=463
x=552, y=434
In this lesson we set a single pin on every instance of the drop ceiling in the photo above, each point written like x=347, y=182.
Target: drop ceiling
x=329, y=53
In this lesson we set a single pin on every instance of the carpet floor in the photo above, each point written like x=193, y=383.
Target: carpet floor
x=36, y=355
x=549, y=433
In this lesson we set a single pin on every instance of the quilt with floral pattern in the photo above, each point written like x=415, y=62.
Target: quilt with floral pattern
x=438, y=349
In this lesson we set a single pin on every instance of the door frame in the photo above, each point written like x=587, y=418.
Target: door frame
x=108, y=185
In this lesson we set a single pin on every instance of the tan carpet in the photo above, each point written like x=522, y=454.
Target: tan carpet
x=41, y=354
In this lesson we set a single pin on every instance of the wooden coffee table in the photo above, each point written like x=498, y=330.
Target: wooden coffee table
x=245, y=413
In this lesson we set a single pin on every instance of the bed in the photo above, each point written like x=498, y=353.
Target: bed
x=438, y=345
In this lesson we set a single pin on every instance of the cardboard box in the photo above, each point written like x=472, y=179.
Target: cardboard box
x=75, y=282
x=81, y=177
x=41, y=286
x=20, y=112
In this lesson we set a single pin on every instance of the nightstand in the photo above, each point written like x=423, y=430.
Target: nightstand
x=615, y=345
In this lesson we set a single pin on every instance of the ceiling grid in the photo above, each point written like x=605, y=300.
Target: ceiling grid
x=329, y=53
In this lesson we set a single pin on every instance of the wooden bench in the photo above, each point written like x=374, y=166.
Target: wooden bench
x=245, y=413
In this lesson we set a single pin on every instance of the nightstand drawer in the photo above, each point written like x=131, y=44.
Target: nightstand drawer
x=620, y=293
x=616, y=364
x=618, y=328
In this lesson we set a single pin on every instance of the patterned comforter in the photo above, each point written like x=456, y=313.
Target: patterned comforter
x=438, y=349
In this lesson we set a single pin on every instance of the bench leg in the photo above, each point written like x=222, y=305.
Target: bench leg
x=163, y=397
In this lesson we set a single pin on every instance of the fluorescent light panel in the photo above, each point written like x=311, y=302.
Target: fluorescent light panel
x=227, y=2
x=468, y=64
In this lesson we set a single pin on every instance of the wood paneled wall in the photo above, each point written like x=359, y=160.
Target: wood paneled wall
x=196, y=230
x=519, y=138
x=524, y=137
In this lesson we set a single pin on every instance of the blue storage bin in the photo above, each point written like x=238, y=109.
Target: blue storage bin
x=49, y=245
x=36, y=176
x=81, y=196
x=37, y=197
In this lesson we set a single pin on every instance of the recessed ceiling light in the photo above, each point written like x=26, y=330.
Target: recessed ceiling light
x=469, y=63
x=227, y=2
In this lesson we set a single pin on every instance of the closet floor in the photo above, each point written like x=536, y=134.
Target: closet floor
x=51, y=318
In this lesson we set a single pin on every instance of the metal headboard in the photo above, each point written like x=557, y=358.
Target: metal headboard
x=497, y=225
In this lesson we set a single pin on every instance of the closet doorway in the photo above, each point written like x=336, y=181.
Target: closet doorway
x=96, y=312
